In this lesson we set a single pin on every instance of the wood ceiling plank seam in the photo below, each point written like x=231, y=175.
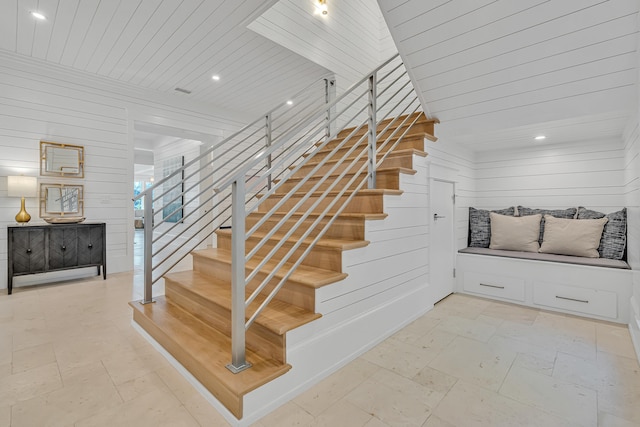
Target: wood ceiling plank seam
x=153, y=25
x=581, y=35
x=397, y=4
x=536, y=91
x=179, y=39
x=26, y=25
x=450, y=38
x=161, y=37
x=450, y=12
x=77, y=30
x=626, y=60
x=9, y=26
x=96, y=32
x=124, y=13
x=533, y=24
x=621, y=89
x=528, y=58
x=126, y=37
x=82, y=34
x=414, y=9
x=42, y=36
x=214, y=32
x=161, y=13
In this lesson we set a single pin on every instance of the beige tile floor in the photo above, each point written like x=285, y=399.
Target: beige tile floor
x=69, y=357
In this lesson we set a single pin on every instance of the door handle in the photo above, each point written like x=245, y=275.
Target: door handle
x=437, y=217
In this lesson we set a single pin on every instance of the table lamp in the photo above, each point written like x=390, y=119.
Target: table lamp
x=22, y=186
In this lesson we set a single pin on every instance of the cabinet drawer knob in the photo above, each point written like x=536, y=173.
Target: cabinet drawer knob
x=90, y=245
x=64, y=248
x=28, y=251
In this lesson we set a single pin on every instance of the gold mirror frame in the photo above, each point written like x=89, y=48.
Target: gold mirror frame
x=61, y=201
x=61, y=160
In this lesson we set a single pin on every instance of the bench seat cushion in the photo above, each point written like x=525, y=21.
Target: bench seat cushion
x=567, y=259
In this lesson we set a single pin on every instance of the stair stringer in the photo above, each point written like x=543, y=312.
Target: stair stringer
x=387, y=288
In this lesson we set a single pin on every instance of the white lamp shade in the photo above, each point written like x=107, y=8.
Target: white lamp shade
x=22, y=186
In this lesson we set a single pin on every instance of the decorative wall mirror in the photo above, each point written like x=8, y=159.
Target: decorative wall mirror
x=61, y=203
x=64, y=160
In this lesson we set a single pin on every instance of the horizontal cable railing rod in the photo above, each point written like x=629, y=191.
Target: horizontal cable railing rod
x=281, y=283
x=302, y=219
x=230, y=138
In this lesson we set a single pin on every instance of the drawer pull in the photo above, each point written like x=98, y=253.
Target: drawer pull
x=64, y=248
x=573, y=299
x=492, y=286
x=90, y=245
x=28, y=251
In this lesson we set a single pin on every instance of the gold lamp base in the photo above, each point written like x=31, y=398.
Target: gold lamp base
x=23, y=216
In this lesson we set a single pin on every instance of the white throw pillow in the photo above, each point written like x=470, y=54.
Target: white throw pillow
x=577, y=237
x=515, y=233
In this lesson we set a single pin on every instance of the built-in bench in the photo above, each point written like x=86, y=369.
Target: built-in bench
x=592, y=287
x=598, y=287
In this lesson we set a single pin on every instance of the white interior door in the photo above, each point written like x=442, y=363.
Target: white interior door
x=443, y=248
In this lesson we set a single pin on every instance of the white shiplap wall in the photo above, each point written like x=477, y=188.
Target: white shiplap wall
x=40, y=101
x=589, y=174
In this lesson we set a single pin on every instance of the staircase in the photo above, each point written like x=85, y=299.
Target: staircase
x=300, y=230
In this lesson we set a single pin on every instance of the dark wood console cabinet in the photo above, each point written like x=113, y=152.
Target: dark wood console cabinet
x=45, y=248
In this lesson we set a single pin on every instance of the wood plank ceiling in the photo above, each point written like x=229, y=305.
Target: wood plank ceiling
x=162, y=45
x=498, y=72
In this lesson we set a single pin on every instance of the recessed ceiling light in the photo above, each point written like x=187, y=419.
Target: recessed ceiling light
x=38, y=15
x=289, y=102
x=215, y=77
x=540, y=137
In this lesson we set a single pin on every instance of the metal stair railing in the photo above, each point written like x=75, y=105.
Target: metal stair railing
x=369, y=120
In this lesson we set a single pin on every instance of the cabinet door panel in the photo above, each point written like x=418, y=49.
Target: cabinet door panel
x=63, y=247
x=90, y=245
x=28, y=251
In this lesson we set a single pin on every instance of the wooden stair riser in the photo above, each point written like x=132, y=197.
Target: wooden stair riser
x=422, y=125
x=291, y=292
x=392, y=161
x=360, y=203
x=416, y=143
x=384, y=179
x=258, y=338
x=348, y=228
x=321, y=257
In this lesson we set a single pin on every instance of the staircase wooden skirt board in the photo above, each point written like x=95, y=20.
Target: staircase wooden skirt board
x=330, y=343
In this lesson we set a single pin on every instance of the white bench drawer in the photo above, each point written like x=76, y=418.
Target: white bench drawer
x=495, y=286
x=580, y=300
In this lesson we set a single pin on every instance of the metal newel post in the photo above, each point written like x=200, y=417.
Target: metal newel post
x=371, y=149
x=148, y=248
x=268, y=144
x=238, y=352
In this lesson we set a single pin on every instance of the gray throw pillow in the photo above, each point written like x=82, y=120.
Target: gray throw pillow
x=569, y=213
x=614, y=235
x=480, y=226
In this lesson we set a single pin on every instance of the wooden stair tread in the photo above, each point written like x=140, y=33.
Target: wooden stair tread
x=386, y=137
x=304, y=275
x=363, y=192
x=205, y=351
x=278, y=316
x=366, y=216
x=341, y=244
x=406, y=171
